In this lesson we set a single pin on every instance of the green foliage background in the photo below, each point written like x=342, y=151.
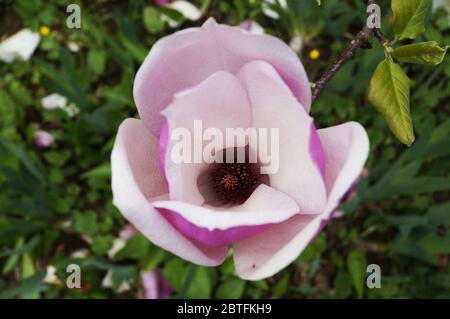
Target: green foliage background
x=57, y=201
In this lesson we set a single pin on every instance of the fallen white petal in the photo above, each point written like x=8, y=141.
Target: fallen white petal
x=50, y=275
x=117, y=245
x=187, y=9
x=19, y=46
x=54, y=101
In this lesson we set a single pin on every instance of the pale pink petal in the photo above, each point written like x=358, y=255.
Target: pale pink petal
x=267, y=253
x=216, y=237
x=316, y=150
x=150, y=284
x=127, y=232
x=43, y=139
x=346, y=148
x=155, y=285
x=188, y=57
x=135, y=179
x=219, y=225
x=163, y=144
x=219, y=102
x=274, y=106
x=265, y=206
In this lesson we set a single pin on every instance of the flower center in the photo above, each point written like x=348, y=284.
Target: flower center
x=235, y=182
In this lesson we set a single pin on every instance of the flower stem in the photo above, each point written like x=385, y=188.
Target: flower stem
x=187, y=282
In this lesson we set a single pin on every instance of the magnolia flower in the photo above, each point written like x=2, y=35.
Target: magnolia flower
x=19, y=46
x=155, y=285
x=43, y=139
x=230, y=78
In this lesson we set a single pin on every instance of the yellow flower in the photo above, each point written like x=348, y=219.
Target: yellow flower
x=314, y=54
x=44, y=30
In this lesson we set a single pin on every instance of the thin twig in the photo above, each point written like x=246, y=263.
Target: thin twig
x=362, y=40
x=377, y=32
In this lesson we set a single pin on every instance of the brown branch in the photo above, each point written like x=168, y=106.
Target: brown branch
x=362, y=40
x=377, y=32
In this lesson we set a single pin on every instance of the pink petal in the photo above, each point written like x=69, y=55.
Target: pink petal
x=274, y=106
x=215, y=226
x=163, y=144
x=267, y=253
x=219, y=102
x=155, y=285
x=43, y=139
x=127, y=232
x=188, y=57
x=216, y=237
x=346, y=148
x=135, y=179
x=150, y=285
x=316, y=150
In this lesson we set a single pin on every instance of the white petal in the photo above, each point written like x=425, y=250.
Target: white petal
x=275, y=107
x=19, y=46
x=220, y=102
x=54, y=101
x=187, y=9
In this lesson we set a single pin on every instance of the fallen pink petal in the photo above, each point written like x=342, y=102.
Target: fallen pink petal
x=155, y=285
x=43, y=139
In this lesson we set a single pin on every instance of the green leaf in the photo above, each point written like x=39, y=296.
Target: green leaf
x=202, y=283
x=102, y=244
x=28, y=271
x=137, y=247
x=356, y=263
x=429, y=53
x=86, y=223
x=389, y=94
x=281, y=287
x=152, y=21
x=231, y=289
x=343, y=285
x=409, y=17
x=31, y=285
x=97, y=61
x=100, y=171
x=121, y=274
